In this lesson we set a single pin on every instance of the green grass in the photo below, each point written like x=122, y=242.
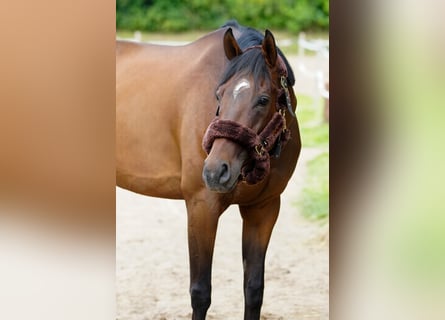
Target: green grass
x=314, y=201
x=314, y=198
x=314, y=131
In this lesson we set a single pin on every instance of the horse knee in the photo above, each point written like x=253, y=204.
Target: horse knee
x=201, y=296
x=254, y=293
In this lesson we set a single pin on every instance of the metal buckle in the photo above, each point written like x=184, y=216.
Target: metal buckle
x=283, y=82
x=259, y=149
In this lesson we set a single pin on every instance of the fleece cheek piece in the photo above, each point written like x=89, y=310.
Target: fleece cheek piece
x=258, y=146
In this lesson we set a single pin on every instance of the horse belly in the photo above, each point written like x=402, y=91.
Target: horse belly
x=147, y=153
x=147, y=166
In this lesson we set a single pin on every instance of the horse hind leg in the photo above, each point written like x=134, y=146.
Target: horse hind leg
x=258, y=222
x=202, y=225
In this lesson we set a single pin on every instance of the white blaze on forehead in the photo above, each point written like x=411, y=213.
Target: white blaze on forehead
x=241, y=85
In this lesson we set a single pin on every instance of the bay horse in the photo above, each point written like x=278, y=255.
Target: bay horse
x=211, y=122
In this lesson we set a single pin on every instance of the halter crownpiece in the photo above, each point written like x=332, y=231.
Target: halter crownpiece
x=260, y=147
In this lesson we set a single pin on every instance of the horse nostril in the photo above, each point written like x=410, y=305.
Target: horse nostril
x=224, y=173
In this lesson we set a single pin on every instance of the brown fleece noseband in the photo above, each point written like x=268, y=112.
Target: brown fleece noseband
x=259, y=146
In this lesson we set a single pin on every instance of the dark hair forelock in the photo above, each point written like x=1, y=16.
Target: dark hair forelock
x=251, y=62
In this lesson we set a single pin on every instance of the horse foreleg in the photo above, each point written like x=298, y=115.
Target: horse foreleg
x=258, y=222
x=202, y=224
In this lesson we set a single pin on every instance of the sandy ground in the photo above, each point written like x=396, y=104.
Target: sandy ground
x=152, y=260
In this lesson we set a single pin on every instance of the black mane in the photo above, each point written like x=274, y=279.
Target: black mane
x=249, y=37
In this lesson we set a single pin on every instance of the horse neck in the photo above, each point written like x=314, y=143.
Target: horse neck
x=209, y=50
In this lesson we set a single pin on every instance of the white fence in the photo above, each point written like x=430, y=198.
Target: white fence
x=321, y=50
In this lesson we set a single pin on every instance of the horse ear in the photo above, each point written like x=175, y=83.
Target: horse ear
x=231, y=47
x=269, y=49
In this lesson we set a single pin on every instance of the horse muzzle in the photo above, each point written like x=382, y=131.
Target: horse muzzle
x=222, y=167
x=218, y=178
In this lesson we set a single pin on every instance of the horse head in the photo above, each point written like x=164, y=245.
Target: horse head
x=250, y=124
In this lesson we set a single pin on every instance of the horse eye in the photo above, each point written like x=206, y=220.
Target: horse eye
x=263, y=101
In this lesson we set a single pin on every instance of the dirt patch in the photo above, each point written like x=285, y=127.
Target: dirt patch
x=152, y=262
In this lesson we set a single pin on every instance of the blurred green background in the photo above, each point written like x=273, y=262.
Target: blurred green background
x=180, y=15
